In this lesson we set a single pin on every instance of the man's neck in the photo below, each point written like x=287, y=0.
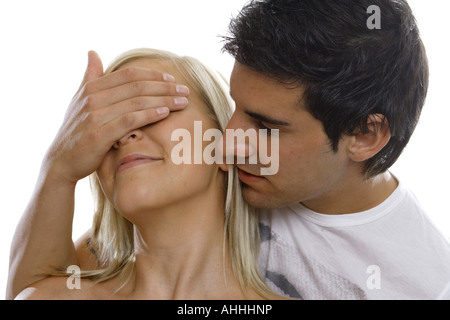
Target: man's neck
x=354, y=195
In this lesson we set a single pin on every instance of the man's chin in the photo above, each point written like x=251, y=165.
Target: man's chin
x=258, y=199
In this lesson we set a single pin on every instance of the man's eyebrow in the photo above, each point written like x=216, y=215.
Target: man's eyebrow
x=266, y=119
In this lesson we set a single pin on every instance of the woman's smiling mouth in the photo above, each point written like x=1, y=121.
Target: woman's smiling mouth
x=133, y=160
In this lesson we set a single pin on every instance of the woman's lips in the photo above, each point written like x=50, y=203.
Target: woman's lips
x=133, y=160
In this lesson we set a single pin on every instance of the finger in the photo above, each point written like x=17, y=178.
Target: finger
x=127, y=75
x=137, y=89
x=135, y=104
x=94, y=69
x=120, y=126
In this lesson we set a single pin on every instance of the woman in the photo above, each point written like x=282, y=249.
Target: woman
x=161, y=230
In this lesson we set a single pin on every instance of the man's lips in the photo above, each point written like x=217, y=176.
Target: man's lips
x=133, y=160
x=248, y=178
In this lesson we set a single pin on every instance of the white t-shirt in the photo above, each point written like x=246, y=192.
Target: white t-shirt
x=445, y=295
x=392, y=251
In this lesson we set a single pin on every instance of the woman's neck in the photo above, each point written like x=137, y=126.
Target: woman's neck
x=180, y=253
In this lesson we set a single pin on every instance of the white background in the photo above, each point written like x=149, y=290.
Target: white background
x=43, y=56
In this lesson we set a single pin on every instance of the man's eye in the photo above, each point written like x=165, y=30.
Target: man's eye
x=262, y=126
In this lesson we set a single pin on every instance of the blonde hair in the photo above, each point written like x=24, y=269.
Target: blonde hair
x=112, y=235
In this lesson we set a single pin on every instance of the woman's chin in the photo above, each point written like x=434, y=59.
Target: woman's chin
x=134, y=203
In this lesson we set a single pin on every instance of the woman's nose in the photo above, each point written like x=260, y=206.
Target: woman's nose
x=131, y=136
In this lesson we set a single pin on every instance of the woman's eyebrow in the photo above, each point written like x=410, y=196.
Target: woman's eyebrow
x=267, y=119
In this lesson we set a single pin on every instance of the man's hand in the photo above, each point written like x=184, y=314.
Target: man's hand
x=105, y=108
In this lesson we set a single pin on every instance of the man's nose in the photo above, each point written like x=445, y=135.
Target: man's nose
x=239, y=141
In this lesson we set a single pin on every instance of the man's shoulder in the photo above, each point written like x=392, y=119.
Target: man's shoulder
x=305, y=247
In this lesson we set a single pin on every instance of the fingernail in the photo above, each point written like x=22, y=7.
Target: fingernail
x=162, y=111
x=182, y=89
x=180, y=101
x=168, y=77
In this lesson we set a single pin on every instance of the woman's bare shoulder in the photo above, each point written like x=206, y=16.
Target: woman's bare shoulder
x=58, y=288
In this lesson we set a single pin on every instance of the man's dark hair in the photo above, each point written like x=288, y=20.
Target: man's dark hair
x=348, y=70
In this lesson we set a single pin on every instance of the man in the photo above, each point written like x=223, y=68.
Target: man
x=345, y=96
x=345, y=92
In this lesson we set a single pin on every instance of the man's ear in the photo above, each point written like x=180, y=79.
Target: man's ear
x=363, y=146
